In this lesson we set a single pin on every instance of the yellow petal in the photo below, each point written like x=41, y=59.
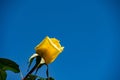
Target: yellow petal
x=49, y=49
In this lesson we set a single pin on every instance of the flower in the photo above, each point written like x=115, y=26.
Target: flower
x=49, y=49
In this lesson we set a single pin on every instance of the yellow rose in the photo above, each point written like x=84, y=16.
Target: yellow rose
x=49, y=49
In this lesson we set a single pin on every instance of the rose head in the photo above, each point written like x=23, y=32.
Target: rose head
x=49, y=49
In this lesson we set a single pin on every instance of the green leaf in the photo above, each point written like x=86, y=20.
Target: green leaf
x=6, y=64
x=42, y=78
x=35, y=77
x=3, y=75
x=52, y=78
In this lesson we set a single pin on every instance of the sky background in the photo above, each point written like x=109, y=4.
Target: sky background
x=88, y=29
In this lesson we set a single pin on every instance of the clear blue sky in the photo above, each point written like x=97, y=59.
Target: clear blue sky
x=88, y=29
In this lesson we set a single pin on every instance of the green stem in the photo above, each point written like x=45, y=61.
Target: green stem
x=29, y=72
x=47, y=72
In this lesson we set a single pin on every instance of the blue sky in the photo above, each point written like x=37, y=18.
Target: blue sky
x=88, y=29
